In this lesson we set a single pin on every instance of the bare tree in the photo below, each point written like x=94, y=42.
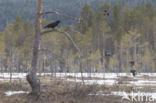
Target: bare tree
x=32, y=77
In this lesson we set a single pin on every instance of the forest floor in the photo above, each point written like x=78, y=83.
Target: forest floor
x=58, y=90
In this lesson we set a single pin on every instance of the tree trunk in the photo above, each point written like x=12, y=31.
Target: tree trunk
x=31, y=77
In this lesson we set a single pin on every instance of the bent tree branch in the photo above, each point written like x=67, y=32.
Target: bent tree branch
x=74, y=44
x=66, y=34
x=59, y=14
x=48, y=31
x=32, y=77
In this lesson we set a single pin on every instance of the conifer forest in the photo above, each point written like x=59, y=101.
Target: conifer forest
x=68, y=51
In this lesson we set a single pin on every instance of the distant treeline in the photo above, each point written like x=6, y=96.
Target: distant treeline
x=107, y=43
x=9, y=9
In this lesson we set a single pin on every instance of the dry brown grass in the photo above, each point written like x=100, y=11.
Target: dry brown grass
x=58, y=91
x=14, y=86
x=86, y=78
x=125, y=80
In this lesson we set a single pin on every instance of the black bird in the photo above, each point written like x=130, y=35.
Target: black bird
x=133, y=72
x=53, y=24
x=132, y=63
x=106, y=13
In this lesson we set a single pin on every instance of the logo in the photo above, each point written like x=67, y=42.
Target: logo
x=138, y=97
x=125, y=97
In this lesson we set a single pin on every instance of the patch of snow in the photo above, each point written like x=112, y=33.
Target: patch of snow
x=13, y=75
x=110, y=78
x=9, y=93
x=97, y=75
x=90, y=82
x=143, y=83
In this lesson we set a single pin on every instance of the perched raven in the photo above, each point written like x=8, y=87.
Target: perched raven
x=53, y=24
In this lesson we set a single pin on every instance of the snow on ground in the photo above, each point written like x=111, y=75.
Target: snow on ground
x=93, y=75
x=9, y=93
x=143, y=83
x=90, y=82
x=78, y=75
x=95, y=78
x=104, y=78
x=13, y=75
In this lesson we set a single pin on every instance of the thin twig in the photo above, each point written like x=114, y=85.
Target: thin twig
x=59, y=14
x=75, y=45
x=48, y=31
x=66, y=34
x=71, y=39
x=75, y=31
